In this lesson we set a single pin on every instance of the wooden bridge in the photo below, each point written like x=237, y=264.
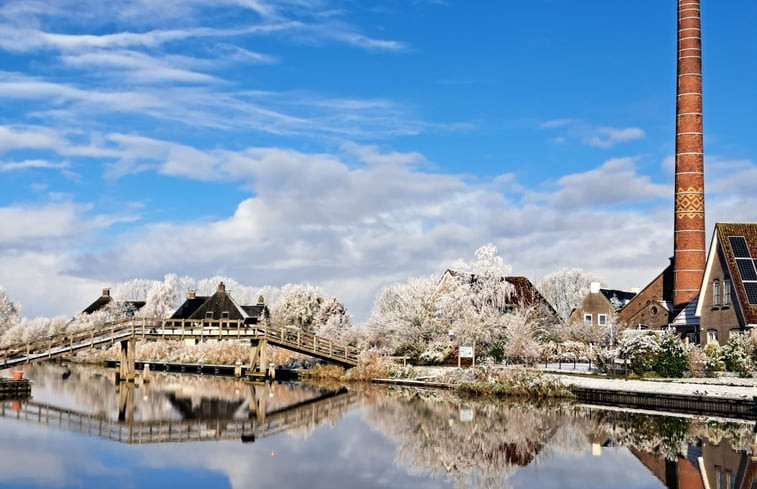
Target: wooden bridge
x=307, y=415
x=127, y=331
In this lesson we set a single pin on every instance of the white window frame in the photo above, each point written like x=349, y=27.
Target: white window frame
x=225, y=315
x=588, y=319
x=727, y=292
x=208, y=314
x=716, y=300
x=712, y=336
x=602, y=319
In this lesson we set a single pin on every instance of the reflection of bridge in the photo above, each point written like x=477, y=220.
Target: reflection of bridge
x=260, y=424
x=129, y=330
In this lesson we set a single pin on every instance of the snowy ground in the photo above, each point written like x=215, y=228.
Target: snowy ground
x=727, y=387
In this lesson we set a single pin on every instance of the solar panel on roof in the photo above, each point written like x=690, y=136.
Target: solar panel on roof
x=751, y=292
x=746, y=269
x=739, y=247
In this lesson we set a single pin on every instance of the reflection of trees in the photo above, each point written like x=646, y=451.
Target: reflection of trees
x=478, y=453
x=501, y=437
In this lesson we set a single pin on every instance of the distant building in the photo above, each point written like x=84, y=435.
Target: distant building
x=652, y=307
x=524, y=293
x=105, y=299
x=599, y=306
x=221, y=306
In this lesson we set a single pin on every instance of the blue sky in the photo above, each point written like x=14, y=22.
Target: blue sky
x=353, y=144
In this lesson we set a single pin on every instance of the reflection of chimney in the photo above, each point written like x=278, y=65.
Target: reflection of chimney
x=106, y=292
x=191, y=294
x=221, y=287
x=689, y=237
x=594, y=288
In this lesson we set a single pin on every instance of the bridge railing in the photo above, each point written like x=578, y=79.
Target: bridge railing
x=152, y=328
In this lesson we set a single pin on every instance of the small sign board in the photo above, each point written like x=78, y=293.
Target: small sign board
x=466, y=415
x=466, y=352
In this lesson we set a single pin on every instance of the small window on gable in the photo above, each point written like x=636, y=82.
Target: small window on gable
x=225, y=315
x=602, y=319
x=716, y=292
x=209, y=315
x=587, y=318
x=727, y=292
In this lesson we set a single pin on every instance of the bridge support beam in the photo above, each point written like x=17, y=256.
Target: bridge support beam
x=258, y=396
x=127, y=367
x=258, y=358
x=126, y=403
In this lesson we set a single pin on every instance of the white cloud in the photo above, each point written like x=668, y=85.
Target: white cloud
x=591, y=135
x=606, y=137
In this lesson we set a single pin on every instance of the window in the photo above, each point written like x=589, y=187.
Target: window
x=602, y=319
x=587, y=318
x=209, y=315
x=727, y=292
x=712, y=336
x=716, y=292
x=225, y=315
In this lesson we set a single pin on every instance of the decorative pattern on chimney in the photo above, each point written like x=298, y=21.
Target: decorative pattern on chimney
x=689, y=242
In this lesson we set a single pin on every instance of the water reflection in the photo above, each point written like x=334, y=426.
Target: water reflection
x=369, y=436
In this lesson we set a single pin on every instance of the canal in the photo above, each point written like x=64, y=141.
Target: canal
x=81, y=429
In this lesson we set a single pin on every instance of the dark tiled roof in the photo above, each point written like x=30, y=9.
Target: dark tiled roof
x=525, y=294
x=104, y=300
x=190, y=306
x=622, y=296
x=749, y=232
x=218, y=303
x=258, y=311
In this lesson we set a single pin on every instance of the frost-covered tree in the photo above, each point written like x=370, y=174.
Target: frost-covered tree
x=27, y=330
x=476, y=307
x=404, y=316
x=10, y=313
x=165, y=297
x=333, y=320
x=299, y=305
x=565, y=289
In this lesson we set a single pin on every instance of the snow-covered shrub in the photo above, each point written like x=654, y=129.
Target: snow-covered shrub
x=604, y=359
x=737, y=354
x=697, y=361
x=714, y=358
x=641, y=351
x=672, y=360
x=435, y=354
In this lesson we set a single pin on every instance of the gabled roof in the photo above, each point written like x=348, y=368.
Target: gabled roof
x=623, y=296
x=189, y=307
x=259, y=311
x=524, y=292
x=106, y=299
x=219, y=302
x=721, y=245
x=688, y=315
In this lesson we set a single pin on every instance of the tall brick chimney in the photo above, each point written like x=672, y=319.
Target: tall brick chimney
x=689, y=242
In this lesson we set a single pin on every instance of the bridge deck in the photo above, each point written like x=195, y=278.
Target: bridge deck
x=169, y=329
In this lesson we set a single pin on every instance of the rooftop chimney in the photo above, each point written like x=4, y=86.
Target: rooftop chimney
x=221, y=287
x=595, y=287
x=106, y=292
x=689, y=240
x=191, y=294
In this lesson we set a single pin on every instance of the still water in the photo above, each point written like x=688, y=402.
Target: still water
x=80, y=429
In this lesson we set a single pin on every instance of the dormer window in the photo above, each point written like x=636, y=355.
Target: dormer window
x=225, y=315
x=716, y=292
x=209, y=315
